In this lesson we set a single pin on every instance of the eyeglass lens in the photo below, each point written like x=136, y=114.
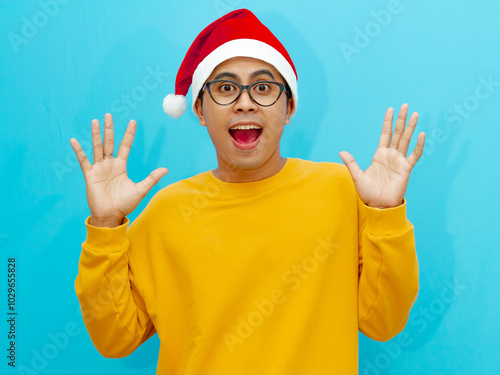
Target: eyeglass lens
x=264, y=93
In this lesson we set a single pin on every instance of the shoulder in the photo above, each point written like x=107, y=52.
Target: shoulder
x=323, y=178
x=165, y=203
x=325, y=171
x=328, y=182
x=180, y=189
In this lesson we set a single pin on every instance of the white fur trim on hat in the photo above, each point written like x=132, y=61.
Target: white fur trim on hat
x=244, y=48
x=175, y=105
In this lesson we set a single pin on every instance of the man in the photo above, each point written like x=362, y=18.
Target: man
x=265, y=265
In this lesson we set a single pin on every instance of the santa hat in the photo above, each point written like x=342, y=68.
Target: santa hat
x=239, y=33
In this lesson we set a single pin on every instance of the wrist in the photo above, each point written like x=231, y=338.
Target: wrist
x=385, y=222
x=383, y=207
x=106, y=222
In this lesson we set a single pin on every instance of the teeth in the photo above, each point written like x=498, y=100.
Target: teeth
x=246, y=127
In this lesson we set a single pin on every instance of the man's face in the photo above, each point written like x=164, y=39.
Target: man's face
x=245, y=155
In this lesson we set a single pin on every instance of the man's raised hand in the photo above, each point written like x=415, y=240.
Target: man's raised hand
x=384, y=182
x=111, y=195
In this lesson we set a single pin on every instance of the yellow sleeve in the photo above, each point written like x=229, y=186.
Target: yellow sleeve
x=388, y=271
x=109, y=293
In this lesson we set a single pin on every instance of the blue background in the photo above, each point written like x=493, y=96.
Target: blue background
x=65, y=63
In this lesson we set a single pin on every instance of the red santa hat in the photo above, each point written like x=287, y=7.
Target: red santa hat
x=239, y=33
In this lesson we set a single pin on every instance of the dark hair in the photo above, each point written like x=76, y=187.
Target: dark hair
x=287, y=91
x=200, y=94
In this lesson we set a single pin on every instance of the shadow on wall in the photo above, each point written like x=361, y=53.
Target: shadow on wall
x=439, y=286
x=137, y=87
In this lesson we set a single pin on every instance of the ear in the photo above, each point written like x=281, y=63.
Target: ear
x=289, y=110
x=199, y=111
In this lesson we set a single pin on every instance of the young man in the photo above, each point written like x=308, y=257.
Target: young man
x=265, y=265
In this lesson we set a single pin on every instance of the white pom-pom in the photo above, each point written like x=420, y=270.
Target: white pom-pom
x=175, y=105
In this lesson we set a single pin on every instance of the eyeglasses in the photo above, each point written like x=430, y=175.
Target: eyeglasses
x=264, y=93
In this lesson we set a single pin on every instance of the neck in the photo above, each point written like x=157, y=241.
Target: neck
x=229, y=173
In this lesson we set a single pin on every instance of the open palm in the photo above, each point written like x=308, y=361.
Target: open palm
x=111, y=195
x=384, y=182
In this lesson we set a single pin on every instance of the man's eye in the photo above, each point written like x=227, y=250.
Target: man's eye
x=227, y=87
x=262, y=88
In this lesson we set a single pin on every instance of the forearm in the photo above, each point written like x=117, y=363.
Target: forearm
x=388, y=281
x=112, y=308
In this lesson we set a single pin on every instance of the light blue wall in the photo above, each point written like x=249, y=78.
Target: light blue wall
x=63, y=65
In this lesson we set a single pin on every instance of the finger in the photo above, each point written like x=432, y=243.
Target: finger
x=418, y=151
x=408, y=133
x=145, y=185
x=96, y=141
x=351, y=164
x=80, y=155
x=385, y=138
x=109, y=140
x=128, y=139
x=400, y=126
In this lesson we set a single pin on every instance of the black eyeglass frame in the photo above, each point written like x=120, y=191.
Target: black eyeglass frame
x=244, y=87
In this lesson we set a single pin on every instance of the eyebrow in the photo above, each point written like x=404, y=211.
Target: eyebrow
x=260, y=72
x=235, y=76
x=226, y=75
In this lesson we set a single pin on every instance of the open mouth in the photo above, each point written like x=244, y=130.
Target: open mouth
x=245, y=134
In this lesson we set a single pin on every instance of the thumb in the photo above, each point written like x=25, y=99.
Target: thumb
x=145, y=185
x=351, y=164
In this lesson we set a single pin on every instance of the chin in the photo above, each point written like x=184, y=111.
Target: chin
x=247, y=163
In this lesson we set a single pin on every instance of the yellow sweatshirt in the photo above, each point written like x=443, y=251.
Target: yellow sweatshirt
x=267, y=277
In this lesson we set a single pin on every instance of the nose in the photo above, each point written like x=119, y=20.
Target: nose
x=245, y=102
